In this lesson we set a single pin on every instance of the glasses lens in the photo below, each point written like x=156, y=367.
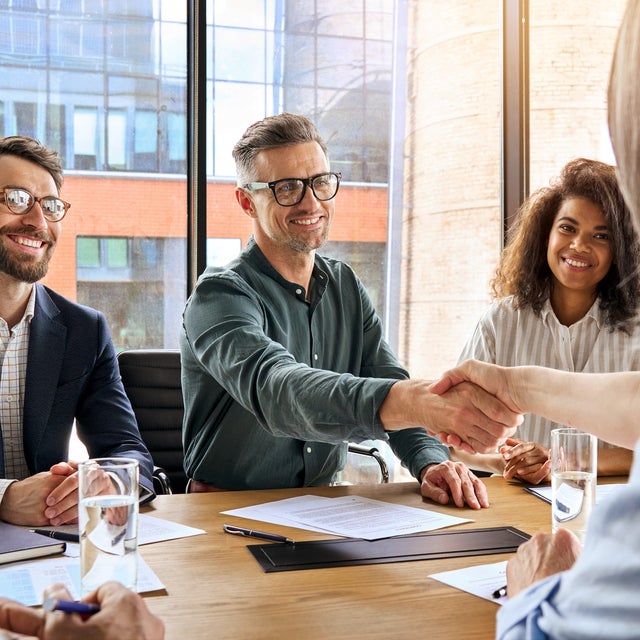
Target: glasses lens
x=288, y=192
x=325, y=186
x=53, y=207
x=18, y=200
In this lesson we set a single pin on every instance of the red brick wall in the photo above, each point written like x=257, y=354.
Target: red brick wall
x=107, y=205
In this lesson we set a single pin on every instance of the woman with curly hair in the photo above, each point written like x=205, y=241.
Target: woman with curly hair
x=566, y=295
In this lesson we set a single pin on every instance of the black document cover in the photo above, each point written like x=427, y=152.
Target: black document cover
x=321, y=554
x=17, y=543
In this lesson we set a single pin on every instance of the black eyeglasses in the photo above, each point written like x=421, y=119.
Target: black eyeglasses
x=290, y=191
x=20, y=202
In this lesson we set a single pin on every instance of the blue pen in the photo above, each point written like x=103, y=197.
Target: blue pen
x=69, y=606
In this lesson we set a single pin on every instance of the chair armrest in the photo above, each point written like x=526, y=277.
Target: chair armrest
x=374, y=453
x=161, y=482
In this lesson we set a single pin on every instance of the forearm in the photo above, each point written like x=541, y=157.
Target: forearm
x=492, y=462
x=606, y=405
x=400, y=408
x=614, y=462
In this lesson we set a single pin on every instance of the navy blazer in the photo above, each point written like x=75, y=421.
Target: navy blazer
x=72, y=372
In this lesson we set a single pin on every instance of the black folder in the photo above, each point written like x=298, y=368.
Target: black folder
x=321, y=554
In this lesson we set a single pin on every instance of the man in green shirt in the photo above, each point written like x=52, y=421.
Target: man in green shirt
x=283, y=358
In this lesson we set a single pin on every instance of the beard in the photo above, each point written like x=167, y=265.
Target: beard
x=306, y=245
x=23, y=267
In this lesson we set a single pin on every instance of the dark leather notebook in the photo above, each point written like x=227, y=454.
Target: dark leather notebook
x=17, y=543
x=321, y=554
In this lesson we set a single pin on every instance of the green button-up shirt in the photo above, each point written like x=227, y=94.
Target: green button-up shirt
x=275, y=387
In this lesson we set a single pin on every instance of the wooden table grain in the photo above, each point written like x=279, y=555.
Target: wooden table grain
x=216, y=590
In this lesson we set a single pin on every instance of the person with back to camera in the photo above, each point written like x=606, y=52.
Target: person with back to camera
x=567, y=292
x=556, y=589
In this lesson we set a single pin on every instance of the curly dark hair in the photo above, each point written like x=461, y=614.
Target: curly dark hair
x=524, y=272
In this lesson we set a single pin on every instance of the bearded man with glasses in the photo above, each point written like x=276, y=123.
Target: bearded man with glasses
x=283, y=358
x=57, y=361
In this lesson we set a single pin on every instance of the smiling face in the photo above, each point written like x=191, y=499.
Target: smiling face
x=302, y=228
x=579, y=251
x=27, y=241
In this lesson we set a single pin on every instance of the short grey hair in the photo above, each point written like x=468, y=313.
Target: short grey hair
x=283, y=130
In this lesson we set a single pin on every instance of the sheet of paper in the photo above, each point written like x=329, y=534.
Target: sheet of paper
x=25, y=581
x=602, y=491
x=480, y=581
x=150, y=529
x=349, y=516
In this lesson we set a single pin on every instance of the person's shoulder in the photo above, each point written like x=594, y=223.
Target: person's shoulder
x=500, y=307
x=335, y=267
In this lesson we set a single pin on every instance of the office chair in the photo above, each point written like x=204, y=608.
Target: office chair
x=151, y=379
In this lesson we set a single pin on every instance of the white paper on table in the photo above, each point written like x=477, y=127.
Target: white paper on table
x=150, y=529
x=349, y=516
x=602, y=491
x=25, y=581
x=481, y=580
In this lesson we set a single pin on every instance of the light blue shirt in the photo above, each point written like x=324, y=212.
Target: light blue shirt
x=599, y=598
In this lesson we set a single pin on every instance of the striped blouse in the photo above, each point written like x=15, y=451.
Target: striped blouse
x=510, y=337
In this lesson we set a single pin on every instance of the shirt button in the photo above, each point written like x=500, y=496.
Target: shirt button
x=9, y=399
x=315, y=356
x=299, y=292
x=308, y=449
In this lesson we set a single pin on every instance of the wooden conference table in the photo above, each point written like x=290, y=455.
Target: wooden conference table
x=215, y=588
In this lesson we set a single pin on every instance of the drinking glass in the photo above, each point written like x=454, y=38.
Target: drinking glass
x=574, y=471
x=108, y=522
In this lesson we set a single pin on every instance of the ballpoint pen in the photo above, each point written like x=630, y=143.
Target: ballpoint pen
x=252, y=533
x=65, y=536
x=500, y=593
x=69, y=606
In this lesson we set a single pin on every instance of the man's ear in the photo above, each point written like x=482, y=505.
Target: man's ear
x=246, y=202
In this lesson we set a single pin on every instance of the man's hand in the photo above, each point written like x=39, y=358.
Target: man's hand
x=123, y=615
x=499, y=382
x=527, y=461
x=62, y=502
x=541, y=556
x=453, y=480
x=46, y=498
x=474, y=417
x=24, y=501
x=477, y=420
x=19, y=619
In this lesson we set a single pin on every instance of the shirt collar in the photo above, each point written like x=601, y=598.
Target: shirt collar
x=31, y=306
x=594, y=312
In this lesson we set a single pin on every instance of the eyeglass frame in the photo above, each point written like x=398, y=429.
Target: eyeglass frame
x=4, y=199
x=306, y=182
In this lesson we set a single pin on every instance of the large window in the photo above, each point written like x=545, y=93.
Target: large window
x=408, y=95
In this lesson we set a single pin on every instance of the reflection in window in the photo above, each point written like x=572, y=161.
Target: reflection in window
x=85, y=124
x=87, y=252
x=117, y=140
x=117, y=255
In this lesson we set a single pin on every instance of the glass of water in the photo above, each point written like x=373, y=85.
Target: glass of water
x=574, y=475
x=108, y=522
